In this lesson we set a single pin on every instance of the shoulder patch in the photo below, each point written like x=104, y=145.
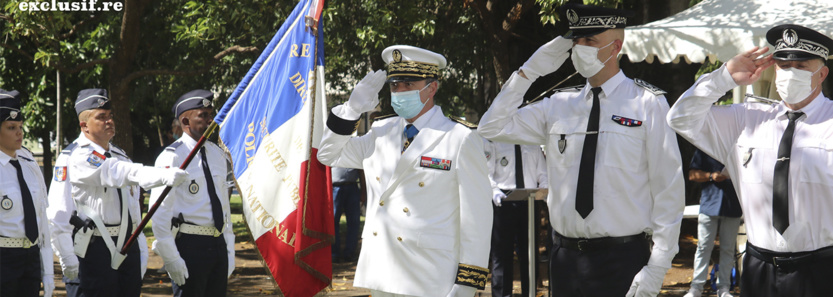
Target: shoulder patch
x=758, y=99
x=69, y=148
x=172, y=147
x=463, y=122
x=382, y=117
x=651, y=88
x=118, y=151
x=60, y=173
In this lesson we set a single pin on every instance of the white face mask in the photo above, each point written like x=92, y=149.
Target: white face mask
x=586, y=59
x=793, y=84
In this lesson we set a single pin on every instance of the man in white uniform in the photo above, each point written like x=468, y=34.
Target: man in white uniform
x=428, y=210
x=615, y=169
x=199, y=256
x=103, y=186
x=779, y=157
x=25, y=253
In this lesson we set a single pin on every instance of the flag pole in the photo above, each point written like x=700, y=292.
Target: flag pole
x=152, y=210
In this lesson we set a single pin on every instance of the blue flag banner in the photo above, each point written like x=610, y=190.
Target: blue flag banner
x=271, y=126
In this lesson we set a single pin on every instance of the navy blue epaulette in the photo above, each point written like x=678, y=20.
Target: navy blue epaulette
x=649, y=87
x=118, y=151
x=382, y=117
x=463, y=122
x=547, y=94
x=25, y=158
x=172, y=147
x=27, y=149
x=69, y=148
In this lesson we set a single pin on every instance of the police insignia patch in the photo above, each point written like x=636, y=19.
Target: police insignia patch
x=193, y=187
x=504, y=162
x=60, y=173
x=626, y=121
x=397, y=56
x=6, y=203
x=96, y=159
x=651, y=88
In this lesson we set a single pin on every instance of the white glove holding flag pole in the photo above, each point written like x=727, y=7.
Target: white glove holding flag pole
x=365, y=95
x=461, y=291
x=48, y=284
x=173, y=176
x=548, y=58
x=648, y=282
x=497, y=198
x=177, y=271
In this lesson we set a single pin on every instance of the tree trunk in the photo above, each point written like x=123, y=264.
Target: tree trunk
x=47, y=157
x=121, y=65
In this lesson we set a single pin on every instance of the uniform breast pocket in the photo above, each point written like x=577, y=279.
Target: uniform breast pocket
x=816, y=161
x=755, y=155
x=564, y=144
x=624, y=147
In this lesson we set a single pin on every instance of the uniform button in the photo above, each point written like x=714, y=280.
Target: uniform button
x=378, y=179
x=405, y=209
x=382, y=203
x=421, y=184
x=399, y=238
x=374, y=233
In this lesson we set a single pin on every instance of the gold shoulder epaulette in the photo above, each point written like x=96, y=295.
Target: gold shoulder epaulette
x=382, y=117
x=463, y=122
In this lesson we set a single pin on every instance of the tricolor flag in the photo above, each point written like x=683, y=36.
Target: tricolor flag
x=272, y=126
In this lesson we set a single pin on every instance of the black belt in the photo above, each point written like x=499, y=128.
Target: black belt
x=789, y=260
x=594, y=244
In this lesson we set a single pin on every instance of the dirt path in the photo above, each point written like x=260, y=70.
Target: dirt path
x=251, y=279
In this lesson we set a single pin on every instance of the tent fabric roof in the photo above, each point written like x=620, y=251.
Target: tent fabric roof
x=721, y=29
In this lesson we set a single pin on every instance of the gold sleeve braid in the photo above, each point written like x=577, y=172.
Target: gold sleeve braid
x=472, y=276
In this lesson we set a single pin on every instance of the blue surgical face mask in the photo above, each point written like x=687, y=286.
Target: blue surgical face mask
x=407, y=104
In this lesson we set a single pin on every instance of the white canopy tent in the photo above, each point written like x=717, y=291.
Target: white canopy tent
x=721, y=29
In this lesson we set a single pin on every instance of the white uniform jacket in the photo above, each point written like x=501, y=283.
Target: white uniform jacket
x=421, y=221
x=638, y=177
x=11, y=212
x=95, y=178
x=745, y=137
x=191, y=197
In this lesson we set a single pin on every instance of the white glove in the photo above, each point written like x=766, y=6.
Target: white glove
x=48, y=284
x=461, y=291
x=548, y=58
x=173, y=176
x=647, y=282
x=365, y=95
x=69, y=266
x=497, y=198
x=177, y=271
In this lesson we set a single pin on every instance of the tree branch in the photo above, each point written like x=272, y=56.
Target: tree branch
x=17, y=50
x=79, y=67
x=78, y=26
x=209, y=63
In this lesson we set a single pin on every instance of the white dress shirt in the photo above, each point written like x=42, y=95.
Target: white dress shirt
x=503, y=161
x=194, y=207
x=638, y=170
x=745, y=137
x=11, y=220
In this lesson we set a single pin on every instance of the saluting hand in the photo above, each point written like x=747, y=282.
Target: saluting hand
x=547, y=59
x=365, y=95
x=746, y=69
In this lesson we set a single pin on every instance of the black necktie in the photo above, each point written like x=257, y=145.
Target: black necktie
x=216, y=208
x=129, y=227
x=781, y=177
x=519, y=168
x=410, y=133
x=586, y=171
x=30, y=222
